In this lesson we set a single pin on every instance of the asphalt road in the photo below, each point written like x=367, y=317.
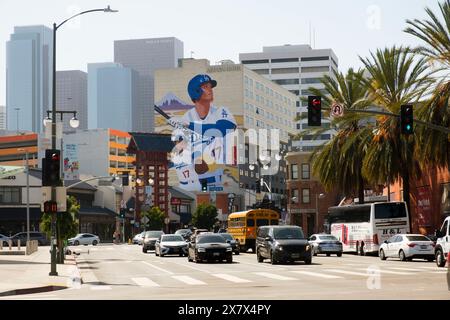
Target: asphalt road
x=125, y=272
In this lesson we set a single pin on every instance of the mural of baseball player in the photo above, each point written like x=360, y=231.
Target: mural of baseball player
x=200, y=157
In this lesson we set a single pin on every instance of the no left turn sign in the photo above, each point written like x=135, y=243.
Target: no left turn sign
x=337, y=110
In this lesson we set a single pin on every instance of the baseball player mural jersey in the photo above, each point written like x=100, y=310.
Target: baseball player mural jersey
x=199, y=158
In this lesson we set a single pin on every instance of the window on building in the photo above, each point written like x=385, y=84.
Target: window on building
x=261, y=71
x=255, y=61
x=305, y=196
x=10, y=195
x=285, y=70
x=286, y=81
x=296, y=92
x=284, y=60
x=315, y=58
x=112, y=151
x=316, y=69
x=305, y=171
x=294, y=196
x=311, y=80
x=294, y=171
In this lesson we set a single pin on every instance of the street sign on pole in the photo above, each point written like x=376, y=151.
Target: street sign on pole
x=144, y=220
x=337, y=110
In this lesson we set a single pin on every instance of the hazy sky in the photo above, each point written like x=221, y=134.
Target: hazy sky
x=216, y=29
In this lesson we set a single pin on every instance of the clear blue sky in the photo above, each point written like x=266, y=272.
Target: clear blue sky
x=217, y=29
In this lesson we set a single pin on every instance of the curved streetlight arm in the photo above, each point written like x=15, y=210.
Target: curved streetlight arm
x=107, y=9
x=94, y=178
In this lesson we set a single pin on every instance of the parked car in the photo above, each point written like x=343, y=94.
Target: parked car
x=407, y=247
x=325, y=243
x=282, y=244
x=137, y=239
x=150, y=239
x=4, y=239
x=209, y=246
x=34, y=235
x=185, y=233
x=442, y=248
x=234, y=242
x=85, y=239
x=171, y=244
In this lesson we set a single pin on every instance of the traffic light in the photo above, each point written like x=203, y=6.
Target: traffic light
x=314, y=111
x=204, y=183
x=258, y=186
x=125, y=178
x=122, y=213
x=50, y=168
x=50, y=207
x=406, y=119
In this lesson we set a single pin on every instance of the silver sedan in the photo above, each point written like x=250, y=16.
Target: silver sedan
x=325, y=243
x=171, y=244
x=84, y=238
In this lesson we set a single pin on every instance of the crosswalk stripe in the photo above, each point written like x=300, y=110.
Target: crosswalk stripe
x=387, y=271
x=188, y=280
x=406, y=269
x=230, y=278
x=153, y=266
x=348, y=272
x=145, y=282
x=99, y=287
x=315, y=274
x=274, y=276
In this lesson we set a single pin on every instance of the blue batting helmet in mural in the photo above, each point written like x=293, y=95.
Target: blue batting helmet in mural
x=194, y=90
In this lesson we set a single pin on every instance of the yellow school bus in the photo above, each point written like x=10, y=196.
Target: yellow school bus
x=244, y=224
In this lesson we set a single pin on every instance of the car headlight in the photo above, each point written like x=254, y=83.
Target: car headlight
x=230, y=249
x=201, y=250
x=278, y=247
x=308, y=247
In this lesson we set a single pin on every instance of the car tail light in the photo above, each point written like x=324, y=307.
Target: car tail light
x=375, y=238
x=411, y=245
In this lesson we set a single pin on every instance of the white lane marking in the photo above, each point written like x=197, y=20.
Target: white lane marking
x=315, y=274
x=145, y=282
x=440, y=271
x=432, y=268
x=191, y=267
x=153, y=266
x=406, y=269
x=98, y=287
x=274, y=276
x=109, y=249
x=188, y=280
x=390, y=272
x=348, y=272
x=263, y=265
x=231, y=278
x=93, y=249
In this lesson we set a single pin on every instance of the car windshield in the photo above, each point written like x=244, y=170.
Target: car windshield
x=182, y=231
x=333, y=238
x=172, y=238
x=288, y=233
x=211, y=239
x=153, y=234
x=227, y=236
x=417, y=238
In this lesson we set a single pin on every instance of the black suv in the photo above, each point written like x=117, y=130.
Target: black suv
x=39, y=236
x=282, y=244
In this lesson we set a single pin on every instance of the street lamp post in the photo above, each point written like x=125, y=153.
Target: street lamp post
x=28, y=193
x=318, y=196
x=53, y=271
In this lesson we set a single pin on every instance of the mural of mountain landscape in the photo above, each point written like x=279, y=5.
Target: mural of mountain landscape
x=172, y=102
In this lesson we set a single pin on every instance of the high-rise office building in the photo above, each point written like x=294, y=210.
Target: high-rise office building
x=145, y=56
x=28, y=77
x=112, y=96
x=296, y=68
x=71, y=95
x=2, y=118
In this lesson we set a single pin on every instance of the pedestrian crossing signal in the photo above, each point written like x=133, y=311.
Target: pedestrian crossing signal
x=50, y=207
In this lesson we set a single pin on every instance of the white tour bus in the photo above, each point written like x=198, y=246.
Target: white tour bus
x=363, y=227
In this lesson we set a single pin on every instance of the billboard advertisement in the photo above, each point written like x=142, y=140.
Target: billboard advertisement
x=71, y=163
x=203, y=154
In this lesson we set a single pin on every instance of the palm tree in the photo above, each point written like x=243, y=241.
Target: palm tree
x=435, y=146
x=339, y=162
x=396, y=78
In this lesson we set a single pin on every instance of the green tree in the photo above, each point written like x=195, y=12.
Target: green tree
x=66, y=225
x=205, y=216
x=339, y=162
x=396, y=78
x=434, y=145
x=155, y=217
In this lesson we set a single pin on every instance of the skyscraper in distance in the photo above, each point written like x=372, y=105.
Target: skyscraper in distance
x=28, y=76
x=145, y=56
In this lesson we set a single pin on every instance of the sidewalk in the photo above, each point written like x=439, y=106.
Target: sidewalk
x=30, y=274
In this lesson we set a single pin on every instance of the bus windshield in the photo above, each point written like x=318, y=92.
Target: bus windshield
x=390, y=210
x=349, y=214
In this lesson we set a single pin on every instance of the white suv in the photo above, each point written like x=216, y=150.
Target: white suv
x=442, y=243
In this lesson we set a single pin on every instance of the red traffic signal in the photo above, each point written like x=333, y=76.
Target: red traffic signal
x=50, y=207
x=314, y=111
